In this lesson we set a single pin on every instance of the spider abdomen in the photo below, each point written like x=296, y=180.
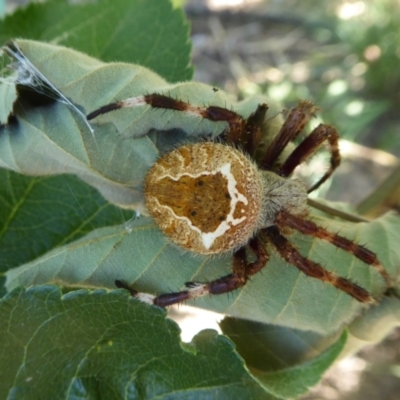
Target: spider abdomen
x=206, y=197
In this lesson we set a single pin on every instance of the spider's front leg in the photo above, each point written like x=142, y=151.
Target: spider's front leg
x=241, y=132
x=291, y=128
x=213, y=113
x=293, y=125
x=241, y=270
x=322, y=133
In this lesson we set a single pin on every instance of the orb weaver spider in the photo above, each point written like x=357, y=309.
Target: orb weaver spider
x=212, y=198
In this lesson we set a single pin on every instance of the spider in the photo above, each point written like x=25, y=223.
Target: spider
x=215, y=197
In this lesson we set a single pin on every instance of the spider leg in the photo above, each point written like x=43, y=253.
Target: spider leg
x=252, y=131
x=310, y=228
x=240, y=271
x=262, y=257
x=246, y=133
x=308, y=146
x=291, y=255
x=213, y=113
x=293, y=125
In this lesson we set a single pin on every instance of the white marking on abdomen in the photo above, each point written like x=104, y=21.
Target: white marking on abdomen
x=209, y=238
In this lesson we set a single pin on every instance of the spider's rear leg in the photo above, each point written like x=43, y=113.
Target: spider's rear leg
x=322, y=133
x=310, y=228
x=291, y=255
x=241, y=270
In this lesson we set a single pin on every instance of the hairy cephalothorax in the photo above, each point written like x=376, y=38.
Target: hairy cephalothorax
x=211, y=198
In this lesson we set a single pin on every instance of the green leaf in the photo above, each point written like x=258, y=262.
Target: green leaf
x=107, y=345
x=295, y=381
x=149, y=32
x=285, y=361
x=139, y=254
x=270, y=348
x=38, y=214
x=374, y=326
x=8, y=95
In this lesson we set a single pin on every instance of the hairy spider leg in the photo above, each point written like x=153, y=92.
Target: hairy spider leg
x=291, y=255
x=237, y=125
x=322, y=133
x=308, y=227
x=253, y=128
x=241, y=270
x=293, y=125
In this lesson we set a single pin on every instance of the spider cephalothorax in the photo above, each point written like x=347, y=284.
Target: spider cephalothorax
x=212, y=198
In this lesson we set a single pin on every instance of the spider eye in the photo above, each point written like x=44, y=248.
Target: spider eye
x=221, y=183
